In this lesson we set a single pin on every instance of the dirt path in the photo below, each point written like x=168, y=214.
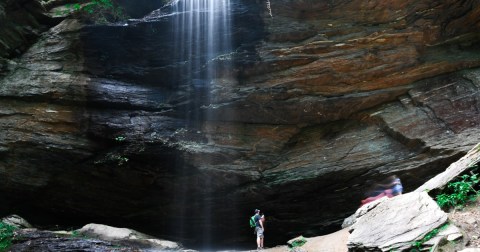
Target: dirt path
x=468, y=219
x=334, y=242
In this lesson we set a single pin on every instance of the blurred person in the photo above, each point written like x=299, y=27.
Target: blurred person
x=390, y=187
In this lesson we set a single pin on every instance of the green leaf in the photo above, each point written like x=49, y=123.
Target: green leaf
x=6, y=235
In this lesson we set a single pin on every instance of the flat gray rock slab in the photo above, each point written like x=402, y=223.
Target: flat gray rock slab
x=349, y=221
x=396, y=223
x=109, y=233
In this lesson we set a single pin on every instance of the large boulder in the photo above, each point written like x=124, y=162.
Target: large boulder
x=396, y=223
x=16, y=221
x=91, y=237
x=127, y=236
x=41, y=240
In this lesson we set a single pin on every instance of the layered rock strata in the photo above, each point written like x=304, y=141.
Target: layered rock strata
x=323, y=99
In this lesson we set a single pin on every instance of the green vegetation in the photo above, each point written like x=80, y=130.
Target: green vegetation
x=121, y=160
x=120, y=138
x=96, y=11
x=113, y=158
x=104, y=11
x=77, y=234
x=459, y=192
x=418, y=244
x=6, y=236
x=298, y=242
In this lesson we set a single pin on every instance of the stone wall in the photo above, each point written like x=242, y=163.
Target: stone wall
x=324, y=99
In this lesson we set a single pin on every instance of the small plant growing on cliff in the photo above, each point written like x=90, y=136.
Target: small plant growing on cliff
x=120, y=138
x=121, y=160
x=6, y=236
x=104, y=11
x=459, y=192
x=97, y=11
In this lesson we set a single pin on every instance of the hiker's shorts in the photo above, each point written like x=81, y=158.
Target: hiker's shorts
x=259, y=232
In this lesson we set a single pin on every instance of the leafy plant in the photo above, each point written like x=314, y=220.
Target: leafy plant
x=121, y=160
x=6, y=235
x=77, y=234
x=97, y=11
x=418, y=244
x=460, y=191
x=120, y=138
x=298, y=242
x=105, y=10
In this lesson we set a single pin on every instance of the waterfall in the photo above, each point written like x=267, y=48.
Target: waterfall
x=202, y=44
x=202, y=39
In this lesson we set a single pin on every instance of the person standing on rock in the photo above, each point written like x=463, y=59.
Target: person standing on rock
x=259, y=228
x=392, y=186
x=397, y=188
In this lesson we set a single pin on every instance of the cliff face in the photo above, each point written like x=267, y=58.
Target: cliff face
x=322, y=99
x=22, y=22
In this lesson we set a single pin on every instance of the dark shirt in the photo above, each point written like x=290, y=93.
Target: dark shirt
x=257, y=220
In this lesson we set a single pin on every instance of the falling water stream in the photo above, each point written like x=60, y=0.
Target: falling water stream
x=202, y=36
x=202, y=39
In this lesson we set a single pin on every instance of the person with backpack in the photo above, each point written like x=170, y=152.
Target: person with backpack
x=257, y=221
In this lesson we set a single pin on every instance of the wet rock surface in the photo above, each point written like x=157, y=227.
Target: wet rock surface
x=36, y=240
x=92, y=238
x=22, y=23
x=94, y=124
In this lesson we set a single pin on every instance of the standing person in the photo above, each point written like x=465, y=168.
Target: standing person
x=259, y=229
x=397, y=188
x=392, y=186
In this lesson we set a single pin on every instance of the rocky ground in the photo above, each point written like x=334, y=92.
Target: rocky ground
x=325, y=101
x=334, y=242
x=468, y=220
